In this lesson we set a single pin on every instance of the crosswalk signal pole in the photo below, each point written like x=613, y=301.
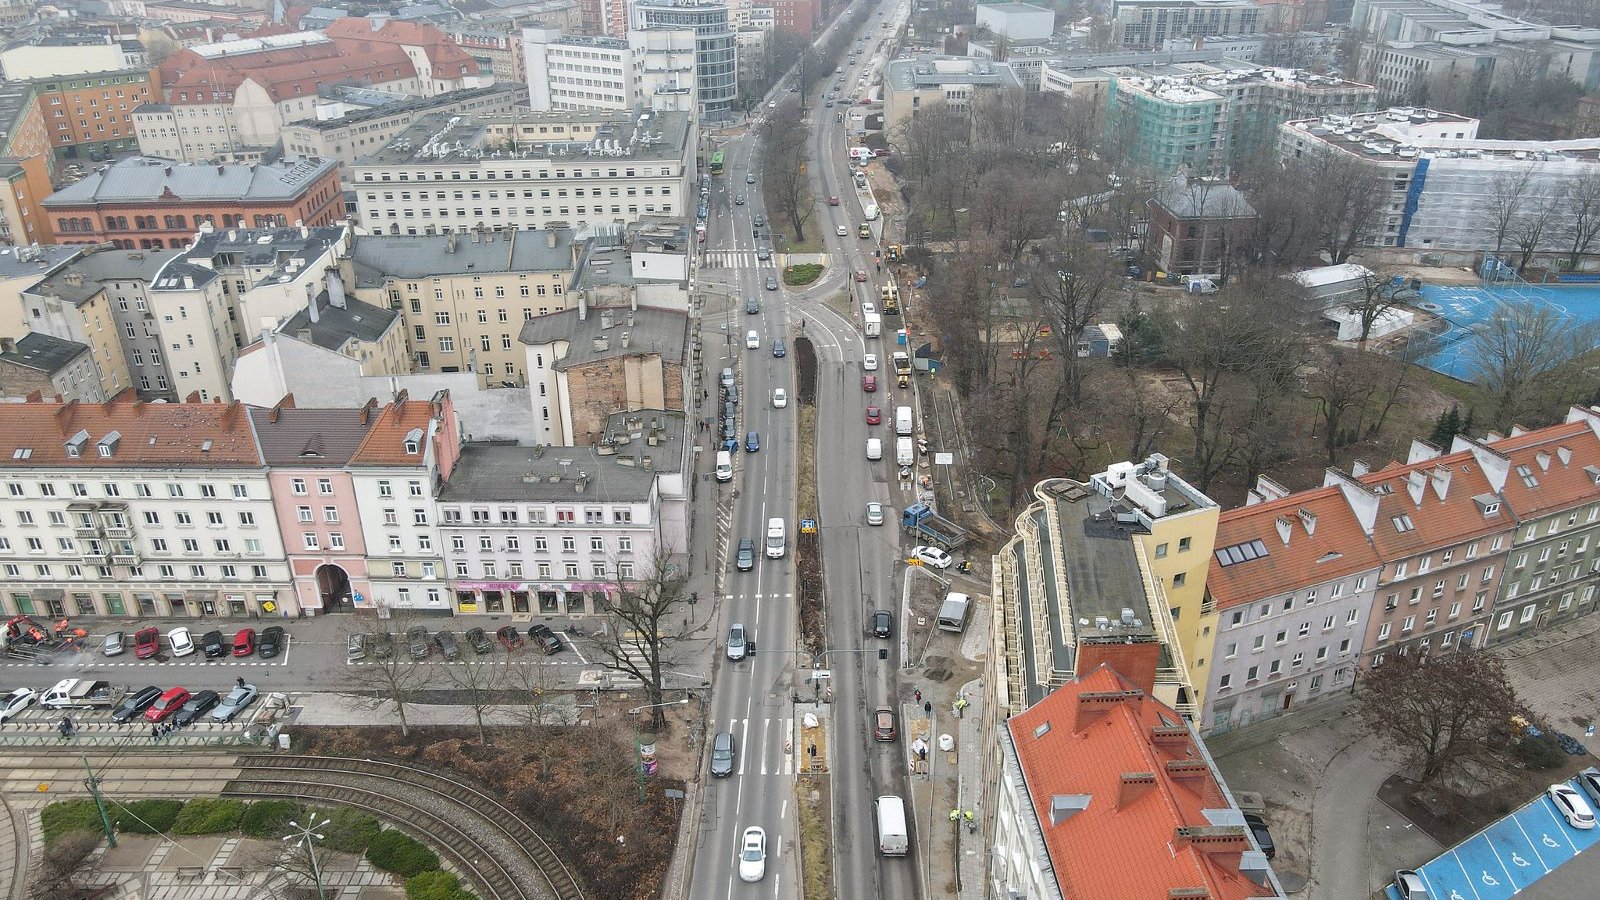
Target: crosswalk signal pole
x=93, y=784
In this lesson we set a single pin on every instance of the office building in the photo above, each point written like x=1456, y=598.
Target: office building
x=357, y=132
x=716, y=78
x=1150, y=24
x=652, y=69
x=65, y=56
x=910, y=84
x=1017, y=21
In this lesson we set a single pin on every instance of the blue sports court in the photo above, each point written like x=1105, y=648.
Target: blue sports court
x=1506, y=857
x=1465, y=307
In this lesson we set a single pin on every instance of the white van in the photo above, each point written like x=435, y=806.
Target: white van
x=724, y=465
x=903, y=454
x=953, y=612
x=902, y=421
x=775, y=539
x=874, y=448
x=893, y=839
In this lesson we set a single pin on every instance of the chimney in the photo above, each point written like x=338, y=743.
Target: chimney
x=1422, y=451
x=1416, y=480
x=335, y=289
x=1441, y=479
x=630, y=318
x=1132, y=786
x=583, y=306
x=8, y=345
x=1565, y=453
x=1285, y=527
x=220, y=170
x=169, y=171
x=1308, y=519
x=550, y=239
x=311, y=303
x=450, y=242
x=1543, y=459
x=607, y=320
x=625, y=340
x=1359, y=468
x=304, y=334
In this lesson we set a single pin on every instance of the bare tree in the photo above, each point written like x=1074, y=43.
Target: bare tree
x=288, y=861
x=643, y=628
x=1074, y=283
x=1508, y=196
x=1348, y=198
x=783, y=171
x=1443, y=711
x=1377, y=295
x=480, y=679
x=540, y=714
x=56, y=877
x=1582, y=207
x=1529, y=229
x=394, y=680
x=1521, y=345
x=1343, y=384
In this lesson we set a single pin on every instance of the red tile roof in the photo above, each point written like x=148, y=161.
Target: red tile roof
x=1102, y=739
x=1333, y=546
x=444, y=53
x=1434, y=521
x=147, y=434
x=280, y=70
x=382, y=64
x=1548, y=468
x=385, y=444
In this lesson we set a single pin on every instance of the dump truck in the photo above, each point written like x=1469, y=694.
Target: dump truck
x=925, y=524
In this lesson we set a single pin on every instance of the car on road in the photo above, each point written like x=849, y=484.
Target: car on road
x=833, y=201
x=241, y=696
x=272, y=641
x=168, y=703
x=841, y=231
x=1258, y=830
x=116, y=644
x=197, y=706
x=15, y=702
x=722, y=754
x=874, y=513
x=753, y=854
x=1409, y=884
x=869, y=383
x=780, y=398
x=869, y=362
x=874, y=416
x=778, y=348
x=478, y=641
x=382, y=645
x=932, y=556
x=763, y=253
x=745, y=557
x=749, y=178
x=883, y=726
x=752, y=306
x=181, y=642
x=752, y=442
x=135, y=704
x=758, y=220
x=547, y=640
x=736, y=641
x=446, y=639
x=726, y=376
x=1571, y=805
x=146, y=642
x=213, y=645
x=244, y=642
x=730, y=394
x=861, y=275
x=738, y=199
x=418, y=641
x=882, y=624
x=509, y=637
x=752, y=340
x=772, y=283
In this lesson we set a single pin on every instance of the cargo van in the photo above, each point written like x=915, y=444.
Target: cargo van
x=775, y=544
x=902, y=421
x=953, y=612
x=874, y=448
x=724, y=465
x=893, y=840
x=903, y=454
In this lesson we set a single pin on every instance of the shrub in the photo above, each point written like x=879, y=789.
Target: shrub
x=268, y=818
x=146, y=816
x=394, y=851
x=209, y=815
x=436, y=885
x=63, y=818
x=348, y=830
x=1542, y=752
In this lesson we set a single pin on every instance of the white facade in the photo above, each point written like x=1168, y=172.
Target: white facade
x=53, y=61
x=1017, y=21
x=655, y=69
x=399, y=521
x=1021, y=862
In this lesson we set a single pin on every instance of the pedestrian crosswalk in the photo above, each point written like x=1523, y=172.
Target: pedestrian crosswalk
x=734, y=259
x=765, y=746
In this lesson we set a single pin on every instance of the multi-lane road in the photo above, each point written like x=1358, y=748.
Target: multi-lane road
x=751, y=698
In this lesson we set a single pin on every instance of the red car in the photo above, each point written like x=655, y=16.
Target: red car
x=244, y=643
x=833, y=201
x=869, y=383
x=874, y=416
x=861, y=274
x=146, y=642
x=509, y=637
x=167, y=704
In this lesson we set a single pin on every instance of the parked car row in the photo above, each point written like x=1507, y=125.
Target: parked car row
x=182, y=707
x=213, y=644
x=420, y=644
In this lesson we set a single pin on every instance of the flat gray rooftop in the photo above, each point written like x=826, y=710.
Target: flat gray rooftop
x=623, y=471
x=1101, y=570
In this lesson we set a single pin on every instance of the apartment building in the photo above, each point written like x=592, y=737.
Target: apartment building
x=441, y=65
x=1292, y=582
x=125, y=276
x=910, y=84
x=1150, y=24
x=134, y=509
x=1103, y=790
x=91, y=116
x=497, y=52
x=49, y=366
x=333, y=343
x=797, y=17
x=716, y=77
x=152, y=203
x=27, y=164
x=465, y=297
x=354, y=134
x=68, y=306
x=527, y=171
x=653, y=69
x=560, y=530
x=407, y=456
x=1100, y=572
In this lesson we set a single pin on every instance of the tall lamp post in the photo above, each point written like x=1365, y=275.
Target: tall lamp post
x=306, y=834
x=638, y=758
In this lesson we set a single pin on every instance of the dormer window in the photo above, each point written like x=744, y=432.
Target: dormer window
x=414, y=441
x=77, y=443
x=108, y=444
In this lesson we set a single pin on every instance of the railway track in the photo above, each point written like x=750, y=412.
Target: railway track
x=504, y=857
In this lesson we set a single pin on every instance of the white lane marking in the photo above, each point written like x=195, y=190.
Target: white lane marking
x=744, y=734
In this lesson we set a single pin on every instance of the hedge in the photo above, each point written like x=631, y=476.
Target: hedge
x=348, y=830
x=146, y=816
x=436, y=885
x=269, y=818
x=393, y=851
x=209, y=815
x=68, y=816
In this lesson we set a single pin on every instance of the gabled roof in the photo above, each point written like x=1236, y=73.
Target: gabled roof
x=1324, y=541
x=1123, y=776
x=447, y=57
x=312, y=438
x=1450, y=506
x=1551, y=468
x=137, y=434
x=397, y=423
x=336, y=326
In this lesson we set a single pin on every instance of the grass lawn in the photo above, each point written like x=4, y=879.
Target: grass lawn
x=801, y=275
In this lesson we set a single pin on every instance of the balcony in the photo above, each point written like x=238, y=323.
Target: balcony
x=126, y=559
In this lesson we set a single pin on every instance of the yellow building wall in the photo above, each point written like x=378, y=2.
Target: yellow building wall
x=1185, y=600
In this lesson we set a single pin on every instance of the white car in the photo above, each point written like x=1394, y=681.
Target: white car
x=874, y=513
x=841, y=231
x=753, y=854
x=752, y=341
x=780, y=398
x=1571, y=805
x=932, y=556
x=180, y=641
x=15, y=702
x=869, y=362
x=1410, y=885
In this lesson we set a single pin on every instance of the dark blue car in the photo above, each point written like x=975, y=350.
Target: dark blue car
x=777, y=347
x=752, y=442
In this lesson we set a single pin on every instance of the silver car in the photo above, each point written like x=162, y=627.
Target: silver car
x=874, y=513
x=116, y=643
x=234, y=703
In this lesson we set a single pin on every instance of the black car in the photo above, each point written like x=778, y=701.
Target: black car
x=271, y=642
x=197, y=706
x=882, y=624
x=446, y=639
x=213, y=645
x=1258, y=829
x=417, y=639
x=479, y=641
x=383, y=645
x=745, y=559
x=545, y=638
x=135, y=704
x=752, y=306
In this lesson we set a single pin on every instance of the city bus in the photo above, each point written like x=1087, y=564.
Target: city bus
x=716, y=163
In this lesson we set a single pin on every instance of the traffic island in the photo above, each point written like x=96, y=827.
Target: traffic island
x=816, y=837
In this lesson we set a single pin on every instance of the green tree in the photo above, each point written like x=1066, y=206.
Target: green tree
x=1446, y=427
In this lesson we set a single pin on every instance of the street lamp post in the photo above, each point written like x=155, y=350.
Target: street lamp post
x=306, y=834
x=638, y=759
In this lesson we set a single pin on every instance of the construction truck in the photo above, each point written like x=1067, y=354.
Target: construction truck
x=891, y=299
x=902, y=368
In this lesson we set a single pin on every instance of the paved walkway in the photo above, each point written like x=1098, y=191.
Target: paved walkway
x=14, y=855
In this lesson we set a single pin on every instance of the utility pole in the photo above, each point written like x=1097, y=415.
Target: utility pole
x=92, y=783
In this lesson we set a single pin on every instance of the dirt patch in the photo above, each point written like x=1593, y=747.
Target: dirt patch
x=808, y=547
x=816, y=838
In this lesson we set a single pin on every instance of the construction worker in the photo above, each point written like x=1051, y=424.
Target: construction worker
x=967, y=815
x=955, y=816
